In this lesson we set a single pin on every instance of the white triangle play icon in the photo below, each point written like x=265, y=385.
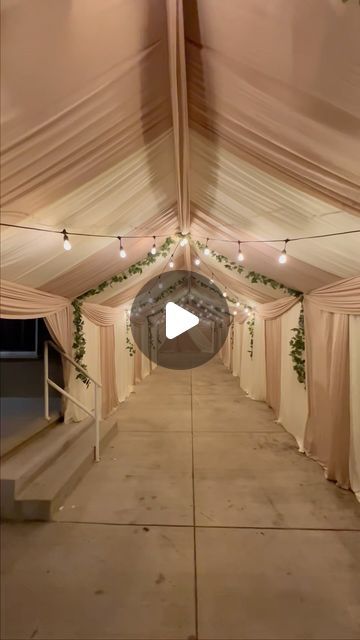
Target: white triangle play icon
x=178, y=320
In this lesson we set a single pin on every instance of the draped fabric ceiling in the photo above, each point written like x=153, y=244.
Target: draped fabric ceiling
x=226, y=119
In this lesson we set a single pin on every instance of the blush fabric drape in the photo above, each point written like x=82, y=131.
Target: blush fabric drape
x=273, y=363
x=108, y=369
x=18, y=301
x=327, y=435
x=179, y=103
x=293, y=395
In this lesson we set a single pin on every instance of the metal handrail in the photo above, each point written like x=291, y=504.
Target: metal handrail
x=97, y=390
x=65, y=355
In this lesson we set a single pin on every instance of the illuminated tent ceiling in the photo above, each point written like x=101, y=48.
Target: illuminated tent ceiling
x=224, y=119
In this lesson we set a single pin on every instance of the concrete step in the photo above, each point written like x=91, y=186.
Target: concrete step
x=42, y=497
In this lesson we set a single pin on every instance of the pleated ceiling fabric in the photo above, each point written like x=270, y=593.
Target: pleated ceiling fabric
x=282, y=105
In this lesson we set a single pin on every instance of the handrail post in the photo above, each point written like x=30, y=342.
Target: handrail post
x=97, y=422
x=46, y=385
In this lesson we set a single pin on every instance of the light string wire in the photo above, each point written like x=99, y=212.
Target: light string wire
x=206, y=238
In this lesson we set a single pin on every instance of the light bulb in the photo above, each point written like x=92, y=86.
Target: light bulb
x=171, y=264
x=183, y=241
x=212, y=281
x=160, y=285
x=235, y=313
x=67, y=243
x=122, y=252
x=225, y=294
x=240, y=254
x=206, y=251
x=153, y=248
x=197, y=261
x=238, y=304
x=283, y=257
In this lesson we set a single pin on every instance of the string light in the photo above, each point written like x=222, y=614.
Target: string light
x=225, y=293
x=238, y=304
x=171, y=263
x=67, y=243
x=197, y=261
x=240, y=253
x=122, y=251
x=234, y=313
x=283, y=257
x=183, y=241
x=160, y=284
x=153, y=248
x=207, y=250
x=212, y=278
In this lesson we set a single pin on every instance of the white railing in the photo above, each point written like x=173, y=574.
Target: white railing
x=96, y=413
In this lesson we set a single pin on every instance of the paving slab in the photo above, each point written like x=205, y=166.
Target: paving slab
x=261, y=480
x=240, y=413
x=88, y=582
x=141, y=478
x=149, y=413
x=283, y=585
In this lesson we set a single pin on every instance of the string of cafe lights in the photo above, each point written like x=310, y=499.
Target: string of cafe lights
x=282, y=258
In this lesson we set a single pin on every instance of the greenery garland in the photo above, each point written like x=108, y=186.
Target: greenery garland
x=297, y=348
x=79, y=342
x=251, y=326
x=134, y=269
x=253, y=276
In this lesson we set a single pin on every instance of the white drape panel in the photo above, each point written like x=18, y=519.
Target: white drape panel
x=252, y=370
x=226, y=351
x=124, y=372
x=145, y=362
x=293, y=396
x=238, y=333
x=354, y=457
x=76, y=387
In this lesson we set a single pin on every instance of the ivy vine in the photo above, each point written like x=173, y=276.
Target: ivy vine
x=251, y=326
x=297, y=348
x=253, y=276
x=79, y=342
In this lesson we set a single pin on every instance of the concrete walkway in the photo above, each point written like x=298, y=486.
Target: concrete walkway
x=201, y=521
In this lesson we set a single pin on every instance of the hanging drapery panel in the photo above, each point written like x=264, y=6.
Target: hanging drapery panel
x=327, y=312
x=273, y=363
x=293, y=410
x=252, y=368
x=327, y=373
x=108, y=371
x=340, y=297
x=275, y=309
x=99, y=314
x=354, y=462
x=83, y=393
x=20, y=302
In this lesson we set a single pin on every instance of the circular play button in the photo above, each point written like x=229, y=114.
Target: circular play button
x=180, y=319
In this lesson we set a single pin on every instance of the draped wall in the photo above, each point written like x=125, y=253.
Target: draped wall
x=107, y=359
x=324, y=418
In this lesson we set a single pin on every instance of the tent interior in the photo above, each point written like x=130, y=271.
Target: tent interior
x=227, y=134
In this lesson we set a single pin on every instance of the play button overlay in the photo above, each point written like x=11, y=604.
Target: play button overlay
x=178, y=320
